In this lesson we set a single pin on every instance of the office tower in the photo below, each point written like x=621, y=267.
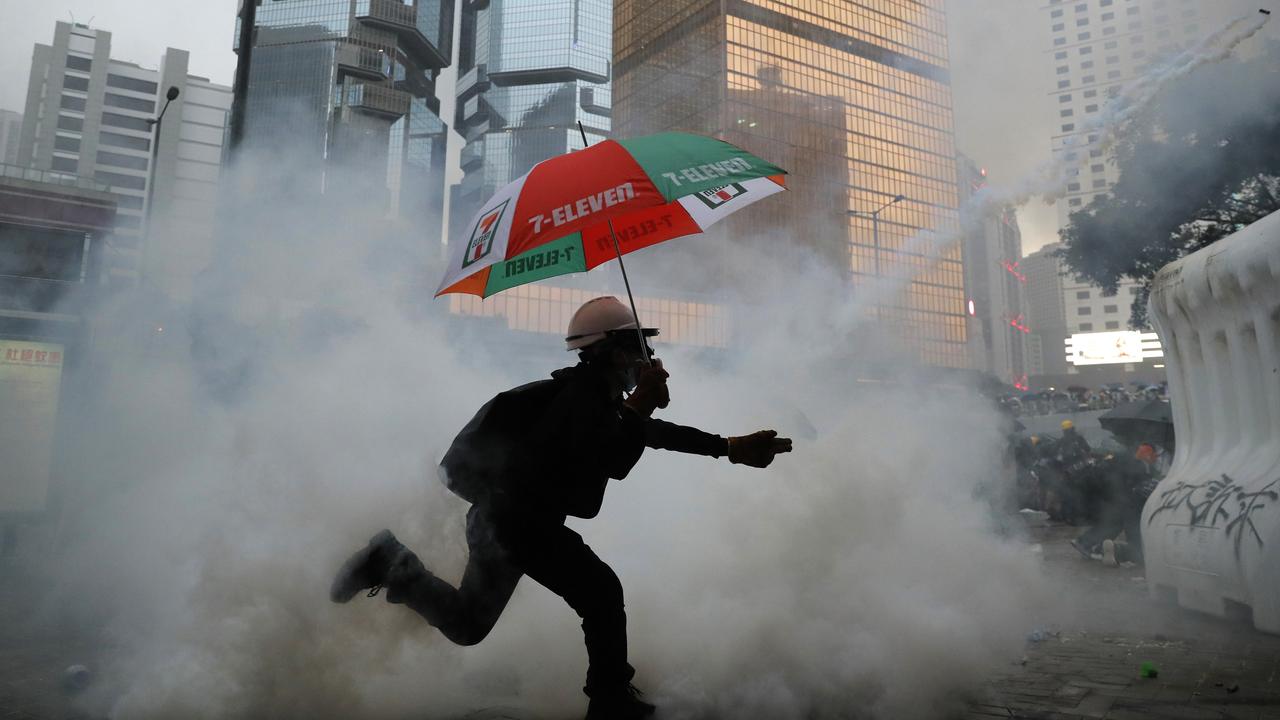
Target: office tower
x=1097, y=47
x=854, y=99
x=10, y=136
x=528, y=72
x=342, y=101
x=92, y=116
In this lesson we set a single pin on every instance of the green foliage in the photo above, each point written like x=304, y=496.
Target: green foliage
x=1201, y=163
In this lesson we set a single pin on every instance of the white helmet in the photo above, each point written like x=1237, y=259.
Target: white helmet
x=597, y=318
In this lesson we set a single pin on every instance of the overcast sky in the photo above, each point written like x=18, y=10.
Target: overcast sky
x=999, y=69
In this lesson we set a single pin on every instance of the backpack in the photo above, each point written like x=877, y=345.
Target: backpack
x=490, y=457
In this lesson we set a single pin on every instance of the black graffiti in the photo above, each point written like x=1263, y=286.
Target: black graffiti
x=1217, y=501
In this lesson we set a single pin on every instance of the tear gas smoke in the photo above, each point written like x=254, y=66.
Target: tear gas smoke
x=1049, y=181
x=217, y=478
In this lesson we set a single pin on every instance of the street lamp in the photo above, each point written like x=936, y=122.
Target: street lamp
x=170, y=96
x=875, y=226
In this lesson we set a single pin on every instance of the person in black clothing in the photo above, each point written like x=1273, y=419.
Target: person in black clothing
x=530, y=457
x=1128, y=482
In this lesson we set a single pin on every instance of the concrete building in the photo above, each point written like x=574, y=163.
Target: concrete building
x=10, y=136
x=528, y=72
x=1096, y=47
x=853, y=99
x=342, y=102
x=90, y=115
x=998, y=326
x=1060, y=307
x=53, y=228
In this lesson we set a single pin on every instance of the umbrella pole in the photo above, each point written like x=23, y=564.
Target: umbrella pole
x=644, y=348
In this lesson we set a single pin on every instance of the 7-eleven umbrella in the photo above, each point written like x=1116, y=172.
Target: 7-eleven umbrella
x=562, y=217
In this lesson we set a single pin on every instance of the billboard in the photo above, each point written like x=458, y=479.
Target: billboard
x=30, y=378
x=1111, y=348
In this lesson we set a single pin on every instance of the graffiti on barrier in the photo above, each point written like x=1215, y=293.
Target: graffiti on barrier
x=1219, y=501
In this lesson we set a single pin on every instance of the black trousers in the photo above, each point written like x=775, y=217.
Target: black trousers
x=1122, y=515
x=502, y=548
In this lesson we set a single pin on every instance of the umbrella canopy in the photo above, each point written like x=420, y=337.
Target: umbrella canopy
x=562, y=217
x=1141, y=421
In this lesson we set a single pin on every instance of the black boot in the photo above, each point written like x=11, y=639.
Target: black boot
x=622, y=704
x=367, y=568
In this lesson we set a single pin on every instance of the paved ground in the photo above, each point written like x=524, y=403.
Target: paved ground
x=1207, y=668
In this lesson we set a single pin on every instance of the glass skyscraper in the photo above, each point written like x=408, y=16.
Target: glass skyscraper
x=345, y=91
x=528, y=72
x=853, y=98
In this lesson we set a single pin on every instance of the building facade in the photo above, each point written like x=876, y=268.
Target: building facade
x=10, y=136
x=342, y=101
x=854, y=100
x=1061, y=307
x=92, y=116
x=1096, y=48
x=994, y=281
x=53, y=228
x=528, y=72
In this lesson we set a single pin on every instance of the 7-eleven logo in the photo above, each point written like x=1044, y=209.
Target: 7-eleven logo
x=715, y=197
x=481, y=242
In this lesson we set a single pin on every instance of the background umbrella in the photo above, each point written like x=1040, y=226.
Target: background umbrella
x=1142, y=421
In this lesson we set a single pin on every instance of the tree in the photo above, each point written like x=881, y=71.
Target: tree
x=1202, y=162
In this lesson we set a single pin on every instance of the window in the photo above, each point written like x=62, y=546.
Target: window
x=130, y=103
x=1082, y=294
x=1111, y=44
x=74, y=82
x=1073, y=187
x=1088, y=79
x=66, y=144
x=1113, y=74
x=1064, y=84
x=1068, y=127
x=1110, y=309
x=1091, y=108
x=1083, y=36
x=1082, y=7
x=66, y=122
x=62, y=164
x=132, y=202
x=1056, y=13
x=71, y=102
x=1086, y=65
x=1060, y=55
x=1096, y=168
x=1108, y=16
x=1113, y=324
x=1133, y=291
x=1064, y=98
x=1101, y=183
x=124, y=121
x=124, y=141
x=1059, y=41
x=1071, y=157
x=1086, y=327
x=128, y=221
x=130, y=182
x=1084, y=311
x=1082, y=22
x=1095, y=153
x=134, y=84
x=1062, y=69
x=1090, y=93
x=1074, y=202
x=1105, y=3
x=1057, y=27
x=1086, y=50
x=1109, y=30
x=75, y=62
x=1066, y=113
x=129, y=162
x=1131, y=11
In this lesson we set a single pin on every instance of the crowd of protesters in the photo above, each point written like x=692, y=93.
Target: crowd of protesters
x=1076, y=399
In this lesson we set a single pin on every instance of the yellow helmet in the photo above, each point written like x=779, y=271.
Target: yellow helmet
x=1067, y=424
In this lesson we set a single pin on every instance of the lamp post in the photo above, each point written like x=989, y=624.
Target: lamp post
x=170, y=96
x=875, y=226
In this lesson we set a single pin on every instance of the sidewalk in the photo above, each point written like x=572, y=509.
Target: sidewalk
x=1207, y=668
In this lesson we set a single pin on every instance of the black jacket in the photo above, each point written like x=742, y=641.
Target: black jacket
x=550, y=447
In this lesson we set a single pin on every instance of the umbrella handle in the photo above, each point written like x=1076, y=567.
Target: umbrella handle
x=644, y=348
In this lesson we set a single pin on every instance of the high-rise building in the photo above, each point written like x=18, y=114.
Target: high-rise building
x=528, y=72
x=994, y=282
x=90, y=115
x=853, y=99
x=10, y=136
x=342, y=100
x=1061, y=307
x=1097, y=47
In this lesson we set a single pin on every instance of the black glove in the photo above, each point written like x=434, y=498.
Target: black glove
x=651, y=390
x=758, y=448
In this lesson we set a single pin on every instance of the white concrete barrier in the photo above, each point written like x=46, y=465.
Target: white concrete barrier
x=1211, y=529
